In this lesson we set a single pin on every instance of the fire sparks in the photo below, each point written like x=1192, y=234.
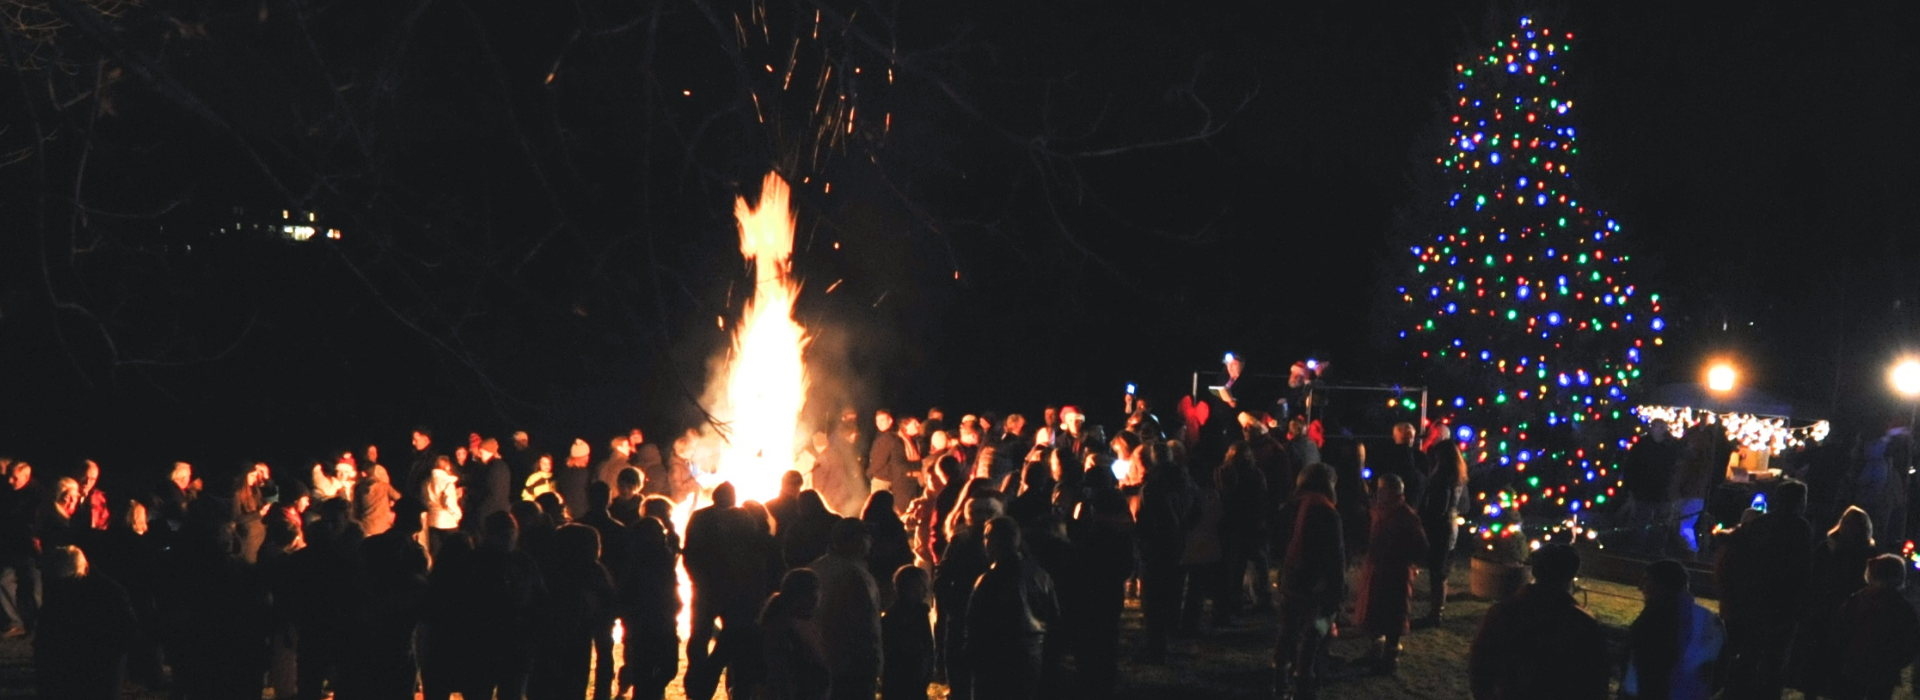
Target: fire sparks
x=766, y=380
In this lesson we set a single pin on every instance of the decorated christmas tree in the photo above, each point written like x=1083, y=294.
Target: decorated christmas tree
x=1516, y=306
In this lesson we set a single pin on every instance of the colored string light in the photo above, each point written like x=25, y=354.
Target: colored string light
x=1516, y=281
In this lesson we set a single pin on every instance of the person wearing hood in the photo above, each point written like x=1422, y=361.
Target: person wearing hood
x=1674, y=645
x=1396, y=545
x=1312, y=582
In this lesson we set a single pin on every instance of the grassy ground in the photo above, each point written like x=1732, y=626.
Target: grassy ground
x=1230, y=663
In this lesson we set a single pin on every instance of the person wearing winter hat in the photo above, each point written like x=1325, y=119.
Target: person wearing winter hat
x=571, y=481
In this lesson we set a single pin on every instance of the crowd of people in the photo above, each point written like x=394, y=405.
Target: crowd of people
x=992, y=554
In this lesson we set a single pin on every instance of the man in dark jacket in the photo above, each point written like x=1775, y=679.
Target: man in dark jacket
x=1244, y=512
x=1540, y=643
x=389, y=586
x=20, y=505
x=497, y=606
x=1312, y=582
x=727, y=557
x=485, y=485
x=80, y=649
x=521, y=458
x=892, y=459
x=785, y=508
x=1878, y=633
x=961, y=565
x=1648, y=476
x=1169, y=507
x=1007, y=618
x=1402, y=459
x=1439, y=515
x=421, y=470
x=1764, y=574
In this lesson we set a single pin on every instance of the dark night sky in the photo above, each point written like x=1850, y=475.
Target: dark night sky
x=539, y=216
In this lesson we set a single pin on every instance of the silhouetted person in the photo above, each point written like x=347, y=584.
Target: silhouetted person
x=906, y=631
x=1540, y=643
x=1648, y=476
x=1101, y=532
x=86, y=628
x=216, y=611
x=20, y=505
x=1007, y=618
x=616, y=461
x=579, y=607
x=728, y=587
x=1394, y=547
x=1243, y=528
x=446, y=642
x=250, y=530
x=1036, y=495
x=646, y=457
x=613, y=553
x=759, y=561
x=1763, y=574
x=807, y=537
x=487, y=485
x=628, y=497
x=785, y=508
x=965, y=560
x=891, y=549
x=1169, y=510
x=536, y=530
x=660, y=508
x=1312, y=582
x=130, y=557
x=496, y=607
x=892, y=459
x=1203, y=559
x=522, y=459
x=1439, y=510
x=1876, y=633
x=649, y=603
x=1837, y=566
x=1673, y=647
x=321, y=597
x=389, y=587
x=794, y=656
x=421, y=468
x=571, y=477
x=849, y=611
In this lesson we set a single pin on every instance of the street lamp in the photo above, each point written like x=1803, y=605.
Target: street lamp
x=1721, y=377
x=1905, y=378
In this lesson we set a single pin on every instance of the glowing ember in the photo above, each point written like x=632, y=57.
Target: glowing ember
x=766, y=381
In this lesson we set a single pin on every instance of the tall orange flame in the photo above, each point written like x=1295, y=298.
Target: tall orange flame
x=766, y=378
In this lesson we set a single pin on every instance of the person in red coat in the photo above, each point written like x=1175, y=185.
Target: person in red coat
x=1386, y=575
x=1312, y=582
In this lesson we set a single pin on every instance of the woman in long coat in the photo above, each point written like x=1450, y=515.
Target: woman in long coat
x=1397, y=544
